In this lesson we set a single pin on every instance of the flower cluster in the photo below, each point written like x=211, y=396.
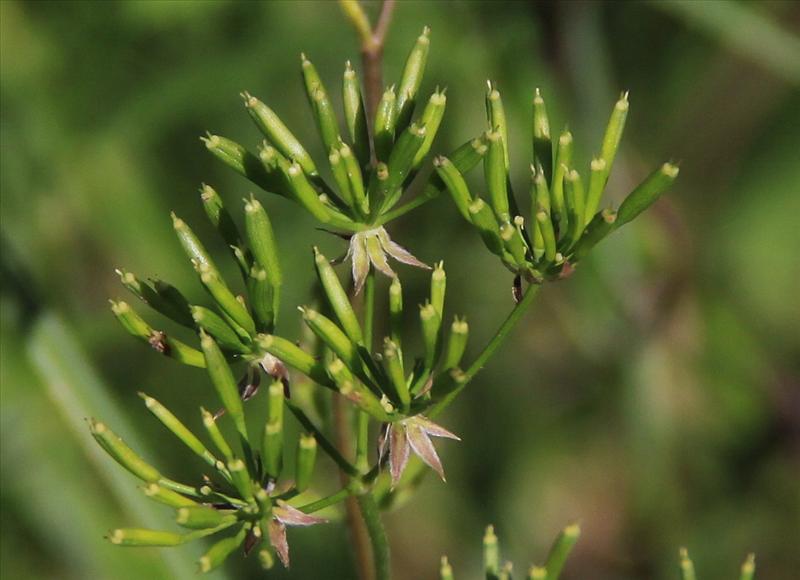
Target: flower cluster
x=250, y=490
x=563, y=223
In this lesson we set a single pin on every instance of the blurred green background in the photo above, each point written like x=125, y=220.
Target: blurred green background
x=654, y=396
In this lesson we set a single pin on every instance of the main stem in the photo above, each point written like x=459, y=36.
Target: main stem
x=372, y=41
x=377, y=535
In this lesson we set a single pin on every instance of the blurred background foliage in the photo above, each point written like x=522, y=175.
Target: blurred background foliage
x=654, y=396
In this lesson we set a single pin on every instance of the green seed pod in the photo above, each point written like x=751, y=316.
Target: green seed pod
x=139, y=537
x=178, y=429
x=597, y=182
x=158, y=340
x=333, y=337
x=456, y=344
x=339, y=172
x=321, y=106
x=431, y=323
x=438, y=286
x=355, y=115
x=278, y=134
x=393, y=362
x=401, y=159
x=337, y=298
x=355, y=391
x=396, y=310
x=545, y=229
x=339, y=372
x=646, y=193
x=326, y=118
x=537, y=242
x=601, y=225
x=687, y=566
x=294, y=356
x=241, y=480
x=272, y=448
x=191, y=244
x=261, y=238
x=575, y=206
x=262, y=299
x=303, y=191
x=562, y=164
x=224, y=383
x=304, y=462
x=121, y=453
x=445, y=570
x=200, y=517
x=167, y=496
x=537, y=573
x=131, y=321
x=411, y=79
x=226, y=300
x=219, y=552
x=266, y=559
x=431, y=119
x=513, y=242
x=748, y=570
x=355, y=179
x=219, y=216
x=483, y=219
x=384, y=126
x=542, y=147
x=243, y=162
x=491, y=553
x=171, y=302
x=210, y=423
x=216, y=326
x=454, y=181
x=541, y=203
x=133, y=284
x=276, y=399
x=561, y=550
x=496, y=115
x=496, y=176
x=613, y=134
x=467, y=156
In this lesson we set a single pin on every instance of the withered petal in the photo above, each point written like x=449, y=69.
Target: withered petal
x=423, y=446
x=398, y=252
x=434, y=429
x=291, y=516
x=358, y=253
x=398, y=452
x=277, y=537
x=378, y=259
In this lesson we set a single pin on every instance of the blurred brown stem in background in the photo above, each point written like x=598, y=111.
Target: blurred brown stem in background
x=372, y=41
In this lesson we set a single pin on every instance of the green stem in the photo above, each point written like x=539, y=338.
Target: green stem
x=377, y=535
x=362, y=419
x=324, y=502
x=402, y=210
x=502, y=333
